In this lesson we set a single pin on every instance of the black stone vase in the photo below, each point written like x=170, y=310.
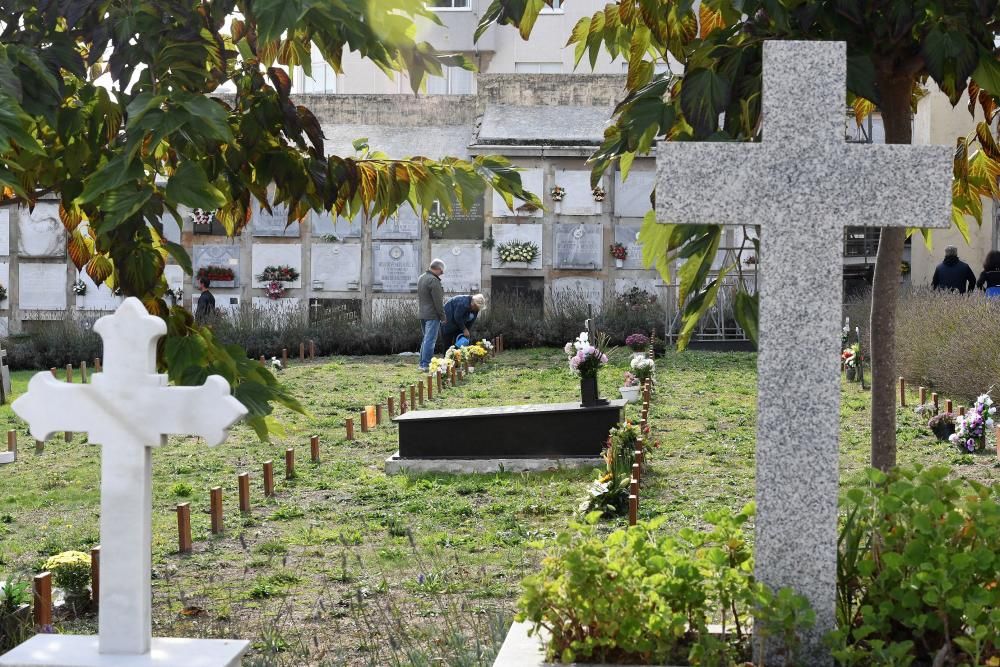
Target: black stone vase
x=589, y=393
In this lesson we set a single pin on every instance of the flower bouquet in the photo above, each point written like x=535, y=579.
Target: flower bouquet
x=216, y=274
x=586, y=360
x=558, y=193
x=518, y=251
x=79, y=287
x=279, y=273
x=643, y=367
x=849, y=358
x=274, y=289
x=437, y=222
x=598, y=193
x=970, y=428
x=609, y=492
x=637, y=342
x=620, y=253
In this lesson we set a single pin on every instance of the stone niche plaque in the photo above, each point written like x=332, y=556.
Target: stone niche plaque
x=96, y=298
x=221, y=255
x=404, y=226
x=588, y=291
x=174, y=275
x=41, y=286
x=276, y=254
x=503, y=233
x=533, y=181
x=396, y=267
x=329, y=224
x=525, y=291
x=336, y=267
x=632, y=195
x=274, y=223
x=5, y=281
x=464, y=262
x=40, y=233
x=464, y=224
x=625, y=233
x=578, y=247
x=579, y=198
x=5, y=231
x=329, y=309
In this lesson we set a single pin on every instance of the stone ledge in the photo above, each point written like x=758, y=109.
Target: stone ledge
x=395, y=465
x=81, y=651
x=520, y=650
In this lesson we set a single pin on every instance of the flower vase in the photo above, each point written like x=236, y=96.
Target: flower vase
x=619, y=263
x=850, y=372
x=630, y=394
x=589, y=393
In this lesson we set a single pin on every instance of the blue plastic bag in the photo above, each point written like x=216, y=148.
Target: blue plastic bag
x=461, y=342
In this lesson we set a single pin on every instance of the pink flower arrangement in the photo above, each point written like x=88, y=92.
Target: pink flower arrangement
x=274, y=289
x=584, y=359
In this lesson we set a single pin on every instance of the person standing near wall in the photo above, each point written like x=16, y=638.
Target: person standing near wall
x=206, y=301
x=430, y=295
x=953, y=274
x=990, y=277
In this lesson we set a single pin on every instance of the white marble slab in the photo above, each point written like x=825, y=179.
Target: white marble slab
x=40, y=233
x=274, y=223
x=96, y=298
x=336, y=267
x=404, y=226
x=632, y=196
x=276, y=254
x=533, y=181
x=502, y=233
x=326, y=224
x=464, y=262
x=395, y=266
x=217, y=254
x=579, y=199
x=5, y=231
x=174, y=275
x=285, y=304
x=625, y=233
x=578, y=246
x=41, y=286
x=5, y=281
x=575, y=290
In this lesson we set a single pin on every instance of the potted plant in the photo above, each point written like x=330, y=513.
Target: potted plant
x=71, y=572
x=943, y=425
x=586, y=359
x=15, y=612
x=637, y=342
x=620, y=253
x=630, y=390
x=970, y=428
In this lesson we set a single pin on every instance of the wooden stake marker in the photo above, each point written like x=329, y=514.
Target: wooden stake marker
x=378, y=414
x=961, y=411
x=402, y=401
x=215, y=509
x=290, y=463
x=302, y=351
x=244, y=484
x=923, y=395
x=364, y=421
x=440, y=383
x=634, y=487
x=934, y=400
x=947, y=405
x=97, y=364
x=312, y=349
x=12, y=442
x=349, y=424
x=95, y=575
x=41, y=588
x=284, y=357
x=636, y=475
x=314, y=445
x=430, y=387
x=184, y=528
x=420, y=393
x=413, y=396
x=902, y=392
x=390, y=406
x=268, y=479
x=68, y=436
x=633, y=509
x=83, y=372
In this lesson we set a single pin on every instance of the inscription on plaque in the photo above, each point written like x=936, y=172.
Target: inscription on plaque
x=578, y=247
x=274, y=223
x=396, y=267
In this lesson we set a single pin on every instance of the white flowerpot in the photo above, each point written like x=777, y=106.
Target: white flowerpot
x=619, y=263
x=630, y=394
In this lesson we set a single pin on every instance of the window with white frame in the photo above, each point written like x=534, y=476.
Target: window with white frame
x=453, y=81
x=538, y=68
x=449, y=4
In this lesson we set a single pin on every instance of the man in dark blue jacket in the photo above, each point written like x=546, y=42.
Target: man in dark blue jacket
x=953, y=273
x=459, y=314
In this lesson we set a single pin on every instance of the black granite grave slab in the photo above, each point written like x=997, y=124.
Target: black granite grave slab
x=553, y=430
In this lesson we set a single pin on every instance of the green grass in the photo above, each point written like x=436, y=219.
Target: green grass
x=347, y=565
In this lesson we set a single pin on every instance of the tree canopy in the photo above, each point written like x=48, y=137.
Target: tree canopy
x=128, y=110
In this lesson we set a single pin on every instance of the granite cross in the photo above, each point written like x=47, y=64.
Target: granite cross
x=803, y=184
x=128, y=409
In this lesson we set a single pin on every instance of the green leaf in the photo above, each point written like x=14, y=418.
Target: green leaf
x=184, y=352
x=987, y=73
x=704, y=94
x=189, y=185
x=746, y=309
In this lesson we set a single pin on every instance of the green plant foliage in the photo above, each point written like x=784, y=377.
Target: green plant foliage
x=639, y=596
x=918, y=570
x=124, y=154
x=608, y=494
x=70, y=570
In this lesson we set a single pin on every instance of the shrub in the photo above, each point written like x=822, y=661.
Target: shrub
x=54, y=344
x=71, y=571
x=918, y=570
x=944, y=340
x=639, y=596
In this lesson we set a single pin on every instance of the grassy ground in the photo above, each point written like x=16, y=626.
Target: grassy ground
x=349, y=566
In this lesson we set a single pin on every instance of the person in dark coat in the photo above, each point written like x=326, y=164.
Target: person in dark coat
x=953, y=274
x=206, y=301
x=459, y=313
x=990, y=277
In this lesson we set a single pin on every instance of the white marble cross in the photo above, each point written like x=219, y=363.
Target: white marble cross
x=803, y=184
x=128, y=409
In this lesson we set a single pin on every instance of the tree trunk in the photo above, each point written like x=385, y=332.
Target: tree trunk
x=896, y=93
